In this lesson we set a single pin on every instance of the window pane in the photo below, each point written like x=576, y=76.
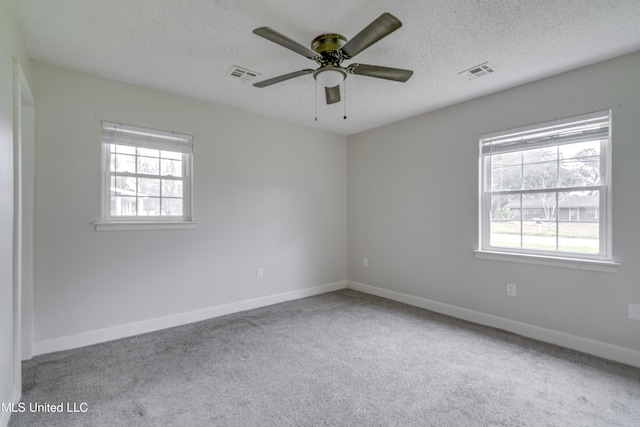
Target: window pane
x=171, y=167
x=580, y=165
x=506, y=171
x=539, y=235
x=123, y=185
x=172, y=207
x=580, y=173
x=505, y=234
x=539, y=221
x=123, y=192
x=171, y=188
x=505, y=221
x=125, y=163
x=506, y=178
x=123, y=206
x=148, y=165
x=578, y=230
x=540, y=175
x=148, y=206
x=148, y=187
x=577, y=236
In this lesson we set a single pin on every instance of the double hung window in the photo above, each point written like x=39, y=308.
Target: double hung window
x=546, y=189
x=146, y=174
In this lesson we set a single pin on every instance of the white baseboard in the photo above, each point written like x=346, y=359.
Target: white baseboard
x=12, y=399
x=144, y=326
x=585, y=345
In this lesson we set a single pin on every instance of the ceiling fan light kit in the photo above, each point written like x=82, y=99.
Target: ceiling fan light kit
x=329, y=50
x=330, y=76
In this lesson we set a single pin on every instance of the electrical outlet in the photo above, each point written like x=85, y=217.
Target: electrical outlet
x=365, y=262
x=634, y=311
x=260, y=273
x=511, y=289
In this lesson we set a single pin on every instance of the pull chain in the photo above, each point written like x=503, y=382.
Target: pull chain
x=316, y=99
x=344, y=84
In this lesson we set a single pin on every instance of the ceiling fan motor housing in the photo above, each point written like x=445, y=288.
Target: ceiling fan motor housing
x=328, y=46
x=327, y=42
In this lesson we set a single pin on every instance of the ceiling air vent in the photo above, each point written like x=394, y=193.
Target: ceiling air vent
x=477, y=71
x=242, y=74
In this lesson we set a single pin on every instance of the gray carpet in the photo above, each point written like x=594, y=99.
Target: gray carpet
x=338, y=359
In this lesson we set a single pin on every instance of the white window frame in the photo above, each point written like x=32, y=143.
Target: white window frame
x=135, y=136
x=553, y=133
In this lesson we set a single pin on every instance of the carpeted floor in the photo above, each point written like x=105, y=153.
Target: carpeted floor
x=338, y=359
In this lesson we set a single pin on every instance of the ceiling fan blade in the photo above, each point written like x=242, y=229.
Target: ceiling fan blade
x=332, y=94
x=395, y=74
x=278, y=79
x=282, y=40
x=384, y=25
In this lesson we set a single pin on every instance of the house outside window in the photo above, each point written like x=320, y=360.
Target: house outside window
x=574, y=214
x=146, y=174
x=546, y=189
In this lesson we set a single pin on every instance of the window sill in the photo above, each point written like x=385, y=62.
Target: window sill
x=144, y=225
x=577, y=263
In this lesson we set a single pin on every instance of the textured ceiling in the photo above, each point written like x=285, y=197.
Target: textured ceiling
x=188, y=47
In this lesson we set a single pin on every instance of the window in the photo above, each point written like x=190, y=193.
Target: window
x=558, y=175
x=146, y=174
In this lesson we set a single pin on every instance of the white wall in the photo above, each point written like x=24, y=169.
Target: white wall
x=11, y=47
x=267, y=194
x=413, y=208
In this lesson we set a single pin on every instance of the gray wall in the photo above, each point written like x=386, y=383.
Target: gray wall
x=413, y=208
x=266, y=194
x=280, y=196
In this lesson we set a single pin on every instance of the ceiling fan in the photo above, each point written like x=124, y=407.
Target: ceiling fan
x=329, y=50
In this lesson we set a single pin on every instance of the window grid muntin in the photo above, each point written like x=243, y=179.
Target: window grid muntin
x=113, y=149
